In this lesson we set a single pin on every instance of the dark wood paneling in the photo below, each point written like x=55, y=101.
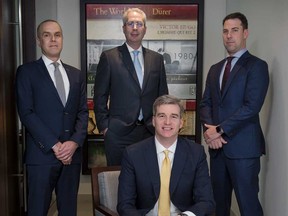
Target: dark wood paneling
x=11, y=169
x=9, y=200
x=28, y=30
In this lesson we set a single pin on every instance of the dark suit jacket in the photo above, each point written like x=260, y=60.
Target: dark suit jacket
x=139, y=181
x=237, y=109
x=117, y=81
x=43, y=115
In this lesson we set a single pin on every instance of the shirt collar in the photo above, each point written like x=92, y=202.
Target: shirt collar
x=239, y=53
x=130, y=49
x=160, y=148
x=48, y=61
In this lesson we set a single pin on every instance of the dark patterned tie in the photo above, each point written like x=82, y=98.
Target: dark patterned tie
x=226, y=72
x=59, y=83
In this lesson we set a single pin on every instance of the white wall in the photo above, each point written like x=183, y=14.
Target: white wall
x=268, y=26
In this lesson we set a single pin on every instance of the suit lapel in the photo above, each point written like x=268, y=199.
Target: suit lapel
x=48, y=81
x=235, y=71
x=151, y=160
x=216, y=77
x=147, y=62
x=71, y=82
x=126, y=58
x=178, y=165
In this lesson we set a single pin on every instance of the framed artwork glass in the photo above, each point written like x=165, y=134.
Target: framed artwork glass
x=174, y=29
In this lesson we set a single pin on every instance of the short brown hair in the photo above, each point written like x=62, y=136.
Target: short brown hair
x=168, y=99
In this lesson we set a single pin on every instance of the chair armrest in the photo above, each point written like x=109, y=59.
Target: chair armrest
x=106, y=211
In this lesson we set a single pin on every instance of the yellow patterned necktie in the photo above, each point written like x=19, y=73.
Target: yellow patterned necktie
x=164, y=198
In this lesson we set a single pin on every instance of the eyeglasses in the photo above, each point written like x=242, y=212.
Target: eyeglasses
x=131, y=24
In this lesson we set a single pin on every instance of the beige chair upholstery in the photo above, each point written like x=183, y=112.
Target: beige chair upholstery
x=104, y=190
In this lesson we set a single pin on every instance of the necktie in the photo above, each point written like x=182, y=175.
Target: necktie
x=59, y=83
x=164, y=198
x=138, y=69
x=226, y=71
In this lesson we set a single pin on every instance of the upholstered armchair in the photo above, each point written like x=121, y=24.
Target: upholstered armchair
x=104, y=190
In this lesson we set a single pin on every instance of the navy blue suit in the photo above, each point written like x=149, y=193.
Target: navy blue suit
x=116, y=81
x=47, y=122
x=139, y=181
x=236, y=110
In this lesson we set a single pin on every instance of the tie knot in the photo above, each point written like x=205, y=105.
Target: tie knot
x=229, y=59
x=56, y=64
x=135, y=52
x=166, y=152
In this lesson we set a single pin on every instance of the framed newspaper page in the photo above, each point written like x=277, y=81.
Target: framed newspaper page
x=174, y=29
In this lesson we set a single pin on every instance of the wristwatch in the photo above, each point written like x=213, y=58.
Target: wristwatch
x=219, y=130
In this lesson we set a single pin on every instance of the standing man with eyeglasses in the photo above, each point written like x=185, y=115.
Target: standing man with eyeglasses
x=128, y=80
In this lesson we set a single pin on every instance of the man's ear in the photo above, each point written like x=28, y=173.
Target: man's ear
x=153, y=121
x=38, y=41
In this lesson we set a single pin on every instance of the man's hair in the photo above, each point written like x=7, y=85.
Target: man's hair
x=237, y=15
x=137, y=10
x=41, y=24
x=168, y=99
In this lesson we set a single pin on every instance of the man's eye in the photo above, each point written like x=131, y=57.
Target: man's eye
x=132, y=24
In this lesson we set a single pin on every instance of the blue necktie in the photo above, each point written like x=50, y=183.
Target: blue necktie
x=138, y=69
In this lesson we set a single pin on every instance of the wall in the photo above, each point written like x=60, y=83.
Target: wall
x=268, y=40
x=268, y=27
x=67, y=13
x=69, y=17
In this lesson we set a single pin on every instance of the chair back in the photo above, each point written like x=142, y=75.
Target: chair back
x=105, y=189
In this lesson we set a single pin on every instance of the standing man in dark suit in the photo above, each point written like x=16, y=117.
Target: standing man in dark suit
x=55, y=123
x=127, y=118
x=230, y=115
x=140, y=185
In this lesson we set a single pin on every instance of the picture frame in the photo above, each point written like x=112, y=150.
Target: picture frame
x=174, y=29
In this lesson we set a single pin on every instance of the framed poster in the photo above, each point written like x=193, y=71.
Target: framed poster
x=174, y=29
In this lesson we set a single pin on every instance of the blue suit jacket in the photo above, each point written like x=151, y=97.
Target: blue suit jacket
x=45, y=118
x=139, y=181
x=237, y=109
x=116, y=80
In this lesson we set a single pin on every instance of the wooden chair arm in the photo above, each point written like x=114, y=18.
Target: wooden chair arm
x=106, y=211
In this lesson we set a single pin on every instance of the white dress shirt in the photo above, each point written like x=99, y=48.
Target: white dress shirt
x=50, y=67
x=161, y=155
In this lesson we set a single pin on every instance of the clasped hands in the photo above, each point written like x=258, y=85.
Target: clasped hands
x=213, y=139
x=64, y=151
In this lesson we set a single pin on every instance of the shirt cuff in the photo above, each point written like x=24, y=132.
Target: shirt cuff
x=189, y=213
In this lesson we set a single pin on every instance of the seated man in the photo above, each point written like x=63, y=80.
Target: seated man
x=165, y=160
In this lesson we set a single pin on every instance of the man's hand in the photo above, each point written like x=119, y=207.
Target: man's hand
x=65, y=151
x=213, y=139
